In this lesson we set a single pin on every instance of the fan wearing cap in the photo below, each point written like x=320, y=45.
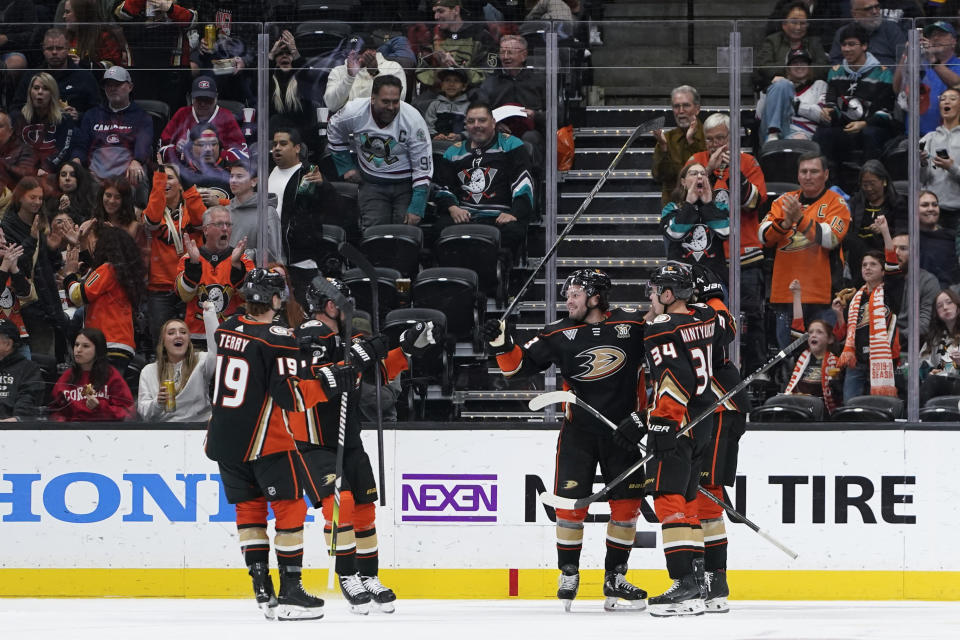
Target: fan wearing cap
x=21, y=383
x=939, y=69
x=859, y=101
x=203, y=108
x=790, y=107
x=455, y=43
x=115, y=139
x=354, y=78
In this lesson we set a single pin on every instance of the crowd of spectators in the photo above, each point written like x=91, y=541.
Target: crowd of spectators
x=437, y=116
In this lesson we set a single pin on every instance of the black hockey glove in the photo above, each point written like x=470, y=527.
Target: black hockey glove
x=366, y=352
x=336, y=378
x=630, y=431
x=417, y=339
x=663, y=435
x=707, y=284
x=496, y=335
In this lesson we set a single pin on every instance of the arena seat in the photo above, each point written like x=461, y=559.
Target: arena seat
x=455, y=292
x=435, y=365
x=387, y=295
x=790, y=408
x=778, y=158
x=870, y=409
x=942, y=409
x=394, y=245
x=476, y=247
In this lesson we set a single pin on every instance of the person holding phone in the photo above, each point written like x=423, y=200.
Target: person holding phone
x=939, y=151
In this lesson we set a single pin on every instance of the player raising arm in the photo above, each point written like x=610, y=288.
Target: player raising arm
x=599, y=352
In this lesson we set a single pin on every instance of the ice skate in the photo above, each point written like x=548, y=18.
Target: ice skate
x=263, y=589
x=382, y=597
x=620, y=594
x=355, y=594
x=569, y=584
x=681, y=599
x=293, y=602
x=717, y=592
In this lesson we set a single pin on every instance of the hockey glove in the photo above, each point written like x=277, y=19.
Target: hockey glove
x=707, y=284
x=367, y=352
x=496, y=335
x=336, y=378
x=630, y=431
x=663, y=435
x=417, y=339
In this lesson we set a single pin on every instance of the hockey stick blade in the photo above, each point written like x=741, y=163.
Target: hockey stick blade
x=551, y=500
x=551, y=397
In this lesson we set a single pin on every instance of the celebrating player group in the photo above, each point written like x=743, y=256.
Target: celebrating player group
x=605, y=356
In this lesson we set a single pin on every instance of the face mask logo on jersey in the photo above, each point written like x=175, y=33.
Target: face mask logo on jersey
x=600, y=362
x=476, y=181
x=6, y=299
x=215, y=294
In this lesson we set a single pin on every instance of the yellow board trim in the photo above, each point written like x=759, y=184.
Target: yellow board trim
x=478, y=583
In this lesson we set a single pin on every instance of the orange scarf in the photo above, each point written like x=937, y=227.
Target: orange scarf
x=829, y=360
x=881, y=355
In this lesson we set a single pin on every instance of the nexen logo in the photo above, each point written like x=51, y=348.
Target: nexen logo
x=59, y=497
x=446, y=498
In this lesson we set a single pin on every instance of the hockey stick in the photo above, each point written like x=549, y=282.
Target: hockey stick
x=558, y=502
x=554, y=397
x=346, y=306
x=353, y=254
x=646, y=127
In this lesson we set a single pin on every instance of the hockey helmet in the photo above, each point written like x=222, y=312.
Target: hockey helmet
x=322, y=289
x=260, y=285
x=594, y=283
x=676, y=276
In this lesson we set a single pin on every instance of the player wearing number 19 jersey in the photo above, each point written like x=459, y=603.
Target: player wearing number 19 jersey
x=680, y=342
x=599, y=352
x=256, y=377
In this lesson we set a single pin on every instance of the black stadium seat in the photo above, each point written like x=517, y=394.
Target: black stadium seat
x=388, y=296
x=435, y=365
x=870, y=409
x=455, y=292
x=942, y=409
x=790, y=408
x=394, y=245
x=476, y=247
x=778, y=158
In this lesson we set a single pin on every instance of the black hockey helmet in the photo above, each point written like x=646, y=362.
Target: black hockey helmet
x=322, y=289
x=594, y=283
x=260, y=285
x=676, y=276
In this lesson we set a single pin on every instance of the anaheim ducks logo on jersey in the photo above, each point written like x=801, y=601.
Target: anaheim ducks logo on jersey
x=798, y=242
x=600, y=362
x=476, y=181
x=378, y=150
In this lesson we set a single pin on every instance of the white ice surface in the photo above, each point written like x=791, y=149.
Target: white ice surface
x=170, y=619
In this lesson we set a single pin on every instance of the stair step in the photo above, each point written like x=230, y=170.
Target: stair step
x=620, y=220
x=526, y=416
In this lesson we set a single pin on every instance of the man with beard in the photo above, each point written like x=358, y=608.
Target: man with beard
x=599, y=352
x=486, y=180
x=394, y=151
x=212, y=272
x=676, y=146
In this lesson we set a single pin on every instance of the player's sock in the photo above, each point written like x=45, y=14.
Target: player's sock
x=569, y=542
x=346, y=563
x=254, y=543
x=368, y=564
x=715, y=544
x=288, y=545
x=620, y=537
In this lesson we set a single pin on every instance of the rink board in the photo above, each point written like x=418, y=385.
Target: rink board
x=141, y=513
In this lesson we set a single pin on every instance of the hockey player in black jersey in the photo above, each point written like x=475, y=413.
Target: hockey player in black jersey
x=599, y=352
x=680, y=342
x=720, y=462
x=316, y=433
x=256, y=378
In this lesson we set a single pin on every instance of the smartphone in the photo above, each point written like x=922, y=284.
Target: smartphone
x=923, y=145
x=942, y=153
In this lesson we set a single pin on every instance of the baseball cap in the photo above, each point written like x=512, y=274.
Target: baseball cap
x=942, y=25
x=9, y=329
x=117, y=74
x=799, y=54
x=447, y=3
x=203, y=87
